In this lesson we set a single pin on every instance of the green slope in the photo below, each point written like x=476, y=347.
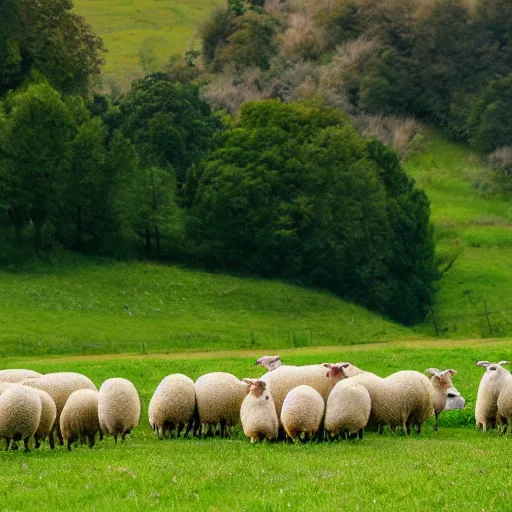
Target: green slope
x=119, y=307
x=137, y=31
x=478, y=226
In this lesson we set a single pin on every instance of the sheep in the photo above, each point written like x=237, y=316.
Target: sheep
x=20, y=412
x=17, y=375
x=219, y=396
x=173, y=405
x=348, y=406
x=118, y=407
x=302, y=412
x=60, y=386
x=403, y=399
x=441, y=384
x=258, y=412
x=269, y=362
x=47, y=420
x=491, y=384
x=79, y=418
x=6, y=385
x=285, y=378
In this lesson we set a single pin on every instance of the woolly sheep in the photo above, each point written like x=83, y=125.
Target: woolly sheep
x=172, y=405
x=79, y=418
x=118, y=407
x=258, y=412
x=302, y=412
x=403, y=399
x=285, y=378
x=20, y=411
x=348, y=406
x=47, y=420
x=17, y=375
x=219, y=396
x=441, y=383
x=6, y=385
x=491, y=384
x=59, y=386
x=504, y=412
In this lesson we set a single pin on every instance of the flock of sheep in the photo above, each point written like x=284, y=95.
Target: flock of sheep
x=323, y=401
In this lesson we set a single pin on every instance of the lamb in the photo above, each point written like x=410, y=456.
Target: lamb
x=173, y=405
x=348, y=406
x=118, y=407
x=403, y=399
x=60, y=386
x=17, y=375
x=219, y=396
x=302, y=412
x=79, y=418
x=493, y=381
x=20, y=412
x=47, y=420
x=441, y=384
x=285, y=378
x=258, y=412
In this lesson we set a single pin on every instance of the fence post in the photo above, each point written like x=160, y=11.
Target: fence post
x=487, y=316
x=434, y=320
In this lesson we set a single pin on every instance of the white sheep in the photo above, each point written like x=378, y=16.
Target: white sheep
x=285, y=378
x=47, y=420
x=219, y=396
x=17, y=375
x=269, y=362
x=491, y=384
x=59, y=386
x=348, y=407
x=20, y=412
x=302, y=412
x=258, y=412
x=118, y=407
x=173, y=404
x=79, y=418
x=441, y=384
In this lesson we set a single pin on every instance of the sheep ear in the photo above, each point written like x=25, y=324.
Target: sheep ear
x=501, y=363
x=328, y=365
x=262, y=384
x=450, y=371
x=249, y=382
x=431, y=371
x=485, y=364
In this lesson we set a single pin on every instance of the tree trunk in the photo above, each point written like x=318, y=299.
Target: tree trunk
x=157, y=238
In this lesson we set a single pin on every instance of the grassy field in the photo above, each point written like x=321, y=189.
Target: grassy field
x=480, y=228
x=141, y=35
x=456, y=468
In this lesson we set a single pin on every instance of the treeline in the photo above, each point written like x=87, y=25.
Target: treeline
x=282, y=189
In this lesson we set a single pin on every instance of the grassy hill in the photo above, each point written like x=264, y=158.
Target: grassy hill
x=477, y=227
x=96, y=306
x=141, y=35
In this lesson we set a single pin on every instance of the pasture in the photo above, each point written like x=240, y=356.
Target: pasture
x=456, y=468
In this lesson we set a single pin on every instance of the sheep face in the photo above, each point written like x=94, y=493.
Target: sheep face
x=336, y=371
x=256, y=387
x=454, y=400
x=269, y=362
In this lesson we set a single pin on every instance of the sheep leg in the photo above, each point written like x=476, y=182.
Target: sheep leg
x=380, y=429
x=123, y=436
x=59, y=436
x=37, y=440
x=7, y=444
x=115, y=438
x=360, y=433
x=70, y=442
x=91, y=440
x=25, y=443
x=436, y=426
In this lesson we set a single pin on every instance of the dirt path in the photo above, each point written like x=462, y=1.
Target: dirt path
x=224, y=354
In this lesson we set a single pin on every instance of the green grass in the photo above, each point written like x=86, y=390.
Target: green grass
x=99, y=306
x=137, y=31
x=465, y=219
x=457, y=468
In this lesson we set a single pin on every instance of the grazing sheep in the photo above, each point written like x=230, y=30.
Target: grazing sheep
x=219, y=396
x=491, y=384
x=59, y=386
x=17, y=375
x=441, y=384
x=258, y=412
x=79, y=418
x=118, y=407
x=20, y=411
x=172, y=405
x=348, y=406
x=285, y=378
x=302, y=412
x=47, y=420
x=403, y=399
x=269, y=362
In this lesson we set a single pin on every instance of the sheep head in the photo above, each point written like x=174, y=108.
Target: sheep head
x=269, y=362
x=255, y=386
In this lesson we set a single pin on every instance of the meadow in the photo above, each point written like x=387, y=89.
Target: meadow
x=455, y=468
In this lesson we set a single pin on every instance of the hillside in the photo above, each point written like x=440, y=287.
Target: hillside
x=105, y=307
x=141, y=35
x=476, y=226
